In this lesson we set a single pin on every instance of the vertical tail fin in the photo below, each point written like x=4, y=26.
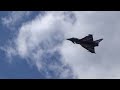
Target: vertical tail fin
x=97, y=41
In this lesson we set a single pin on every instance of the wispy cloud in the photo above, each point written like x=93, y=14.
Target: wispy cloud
x=13, y=18
x=42, y=41
x=38, y=41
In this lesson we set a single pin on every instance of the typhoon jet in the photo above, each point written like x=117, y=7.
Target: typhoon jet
x=86, y=42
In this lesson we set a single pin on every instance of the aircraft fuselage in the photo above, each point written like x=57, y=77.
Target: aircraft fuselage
x=79, y=41
x=86, y=42
x=93, y=43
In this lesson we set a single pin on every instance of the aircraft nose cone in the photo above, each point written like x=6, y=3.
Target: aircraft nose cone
x=69, y=39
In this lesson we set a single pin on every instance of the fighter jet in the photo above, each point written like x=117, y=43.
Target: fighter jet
x=86, y=42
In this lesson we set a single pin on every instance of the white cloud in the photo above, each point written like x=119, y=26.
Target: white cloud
x=39, y=37
x=9, y=50
x=14, y=18
x=106, y=62
x=48, y=33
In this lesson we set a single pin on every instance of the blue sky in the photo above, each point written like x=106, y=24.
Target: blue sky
x=33, y=44
x=18, y=68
